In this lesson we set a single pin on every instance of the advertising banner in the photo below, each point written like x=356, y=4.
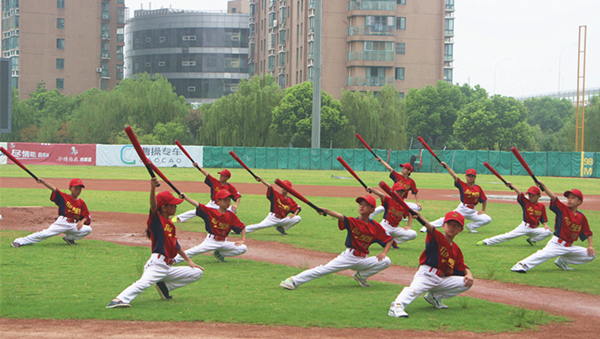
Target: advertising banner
x=3, y=157
x=160, y=155
x=30, y=153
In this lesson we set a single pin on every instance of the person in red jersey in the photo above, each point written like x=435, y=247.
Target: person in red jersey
x=534, y=213
x=218, y=223
x=281, y=207
x=73, y=216
x=569, y=225
x=394, y=214
x=159, y=270
x=442, y=272
x=471, y=194
x=403, y=178
x=215, y=186
x=362, y=232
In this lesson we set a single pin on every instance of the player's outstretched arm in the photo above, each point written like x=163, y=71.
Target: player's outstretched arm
x=385, y=164
x=427, y=225
x=450, y=170
x=201, y=169
x=333, y=213
x=510, y=185
x=153, y=205
x=188, y=260
x=550, y=194
x=375, y=191
x=259, y=179
x=47, y=184
x=190, y=200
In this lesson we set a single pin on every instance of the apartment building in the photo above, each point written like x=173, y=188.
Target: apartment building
x=71, y=45
x=366, y=44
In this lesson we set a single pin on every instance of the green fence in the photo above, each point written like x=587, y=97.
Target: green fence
x=560, y=164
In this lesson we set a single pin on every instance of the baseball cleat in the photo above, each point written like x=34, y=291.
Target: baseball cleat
x=362, y=281
x=395, y=245
x=435, y=302
x=423, y=229
x=480, y=243
x=519, y=268
x=281, y=230
x=15, y=244
x=69, y=241
x=563, y=265
x=218, y=255
x=163, y=291
x=472, y=230
x=117, y=304
x=531, y=242
x=288, y=284
x=397, y=311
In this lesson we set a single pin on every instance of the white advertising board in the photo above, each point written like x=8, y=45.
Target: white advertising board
x=160, y=155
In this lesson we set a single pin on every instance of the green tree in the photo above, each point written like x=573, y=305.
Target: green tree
x=591, y=142
x=550, y=114
x=23, y=122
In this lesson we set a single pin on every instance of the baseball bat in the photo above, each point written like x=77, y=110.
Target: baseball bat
x=242, y=163
x=298, y=195
x=13, y=159
x=139, y=150
x=399, y=200
x=429, y=149
x=366, y=145
x=486, y=164
x=185, y=152
x=164, y=178
x=524, y=164
x=350, y=170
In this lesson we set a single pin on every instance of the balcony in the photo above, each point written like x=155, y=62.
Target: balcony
x=105, y=35
x=104, y=55
x=369, y=81
x=449, y=32
x=120, y=37
x=448, y=57
x=104, y=74
x=105, y=16
x=371, y=56
x=383, y=30
x=381, y=5
x=311, y=12
x=450, y=5
x=120, y=57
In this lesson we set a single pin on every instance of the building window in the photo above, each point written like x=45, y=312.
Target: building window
x=233, y=10
x=60, y=43
x=399, y=73
x=400, y=48
x=400, y=95
x=60, y=63
x=60, y=3
x=60, y=23
x=401, y=2
x=448, y=75
x=449, y=26
x=401, y=23
x=60, y=83
x=448, y=51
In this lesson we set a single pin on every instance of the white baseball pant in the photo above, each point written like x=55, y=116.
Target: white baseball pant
x=272, y=221
x=157, y=270
x=226, y=248
x=61, y=225
x=399, y=233
x=366, y=266
x=537, y=234
x=477, y=220
x=380, y=209
x=185, y=216
x=575, y=255
x=426, y=280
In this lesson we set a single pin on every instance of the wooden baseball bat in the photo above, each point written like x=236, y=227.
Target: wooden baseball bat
x=524, y=164
x=429, y=149
x=298, y=195
x=486, y=164
x=139, y=150
x=185, y=152
x=387, y=189
x=350, y=170
x=242, y=163
x=164, y=178
x=366, y=145
x=17, y=162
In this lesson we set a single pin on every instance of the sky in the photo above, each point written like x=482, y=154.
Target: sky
x=511, y=47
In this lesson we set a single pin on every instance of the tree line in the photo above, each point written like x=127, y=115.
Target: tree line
x=262, y=114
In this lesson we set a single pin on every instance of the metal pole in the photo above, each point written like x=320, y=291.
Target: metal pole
x=316, y=108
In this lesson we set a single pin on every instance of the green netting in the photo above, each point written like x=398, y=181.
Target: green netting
x=327, y=158
x=304, y=157
x=575, y=165
x=294, y=158
x=315, y=158
x=261, y=157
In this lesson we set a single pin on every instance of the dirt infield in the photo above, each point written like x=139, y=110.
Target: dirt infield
x=583, y=309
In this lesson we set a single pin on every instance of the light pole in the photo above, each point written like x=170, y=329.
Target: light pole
x=495, y=68
x=560, y=56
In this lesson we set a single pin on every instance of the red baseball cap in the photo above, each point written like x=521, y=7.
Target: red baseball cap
x=534, y=190
x=369, y=199
x=453, y=215
x=287, y=182
x=223, y=194
x=225, y=173
x=166, y=198
x=575, y=192
x=398, y=186
x=76, y=182
x=471, y=171
x=407, y=166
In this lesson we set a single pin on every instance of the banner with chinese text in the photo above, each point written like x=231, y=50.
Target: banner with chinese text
x=160, y=155
x=30, y=153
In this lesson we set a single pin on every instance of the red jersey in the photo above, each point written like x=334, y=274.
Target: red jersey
x=362, y=234
x=281, y=205
x=162, y=234
x=409, y=183
x=533, y=214
x=69, y=207
x=569, y=226
x=217, y=223
x=470, y=195
x=215, y=186
x=394, y=213
x=440, y=254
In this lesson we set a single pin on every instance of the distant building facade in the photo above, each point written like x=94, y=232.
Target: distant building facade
x=70, y=45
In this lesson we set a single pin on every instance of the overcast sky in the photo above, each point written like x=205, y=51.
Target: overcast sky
x=509, y=47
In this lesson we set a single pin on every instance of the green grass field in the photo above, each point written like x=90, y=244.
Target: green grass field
x=33, y=287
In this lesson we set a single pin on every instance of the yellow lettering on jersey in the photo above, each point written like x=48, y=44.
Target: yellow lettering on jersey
x=398, y=214
x=444, y=252
x=219, y=225
x=283, y=206
x=472, y=194
x=361, y=236
x=168, y=228
x=73, y=210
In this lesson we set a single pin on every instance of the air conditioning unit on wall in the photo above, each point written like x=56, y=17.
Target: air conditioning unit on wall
x=98, y=70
